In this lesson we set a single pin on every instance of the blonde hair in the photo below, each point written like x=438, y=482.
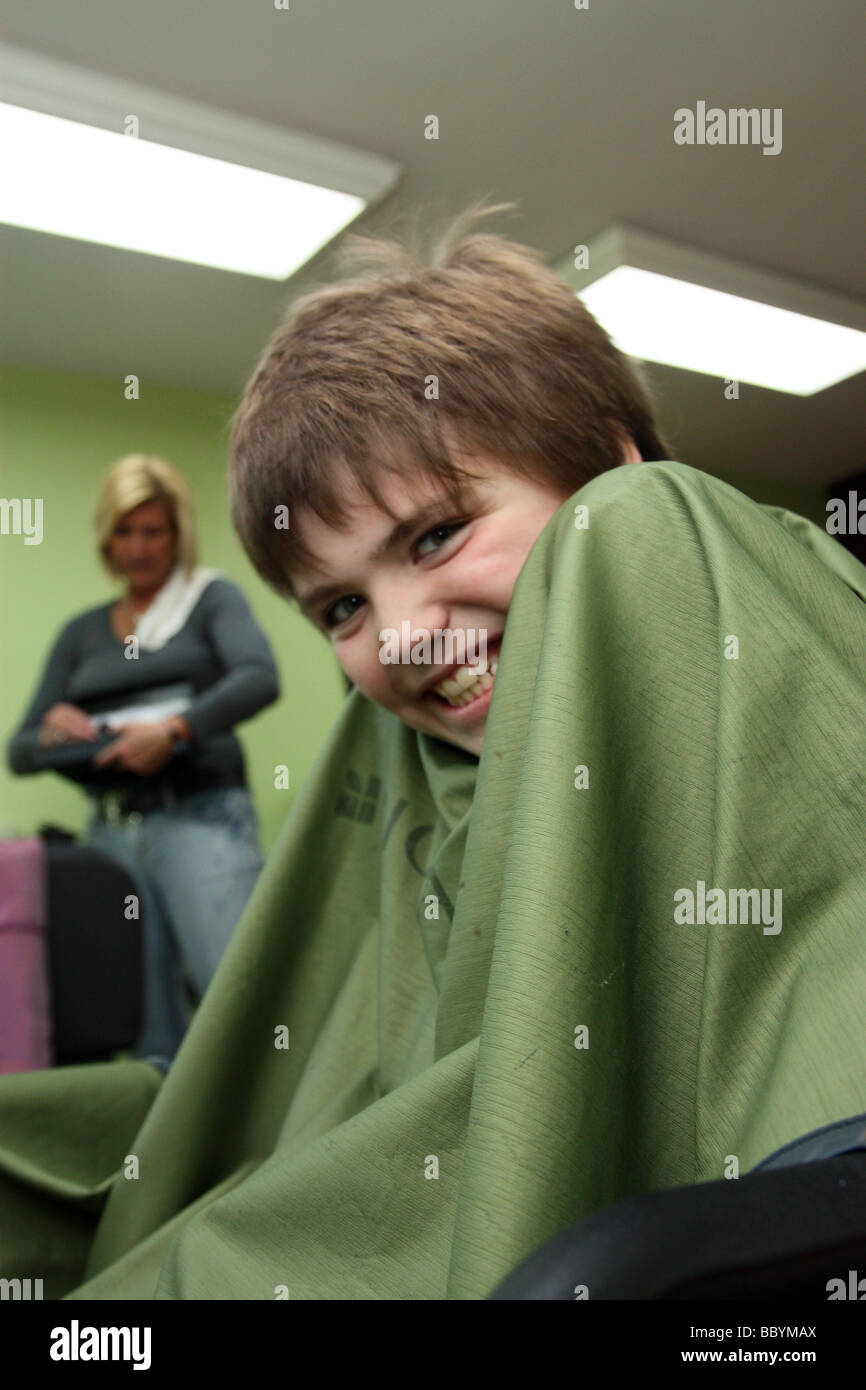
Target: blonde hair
x=523, y=372
x=139, y=478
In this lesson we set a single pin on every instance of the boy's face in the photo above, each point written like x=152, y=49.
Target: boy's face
x=454, y=569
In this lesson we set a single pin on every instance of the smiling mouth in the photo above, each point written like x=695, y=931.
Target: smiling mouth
x=464, y=690
x=468, y=685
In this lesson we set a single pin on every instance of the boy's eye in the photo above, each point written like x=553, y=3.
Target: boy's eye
x=330, y=618
x=450, y=527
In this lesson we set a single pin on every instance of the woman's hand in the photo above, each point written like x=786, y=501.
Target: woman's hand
x=143, y=748
x=64, y=723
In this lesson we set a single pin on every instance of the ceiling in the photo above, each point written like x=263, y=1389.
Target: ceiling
x=567, y=112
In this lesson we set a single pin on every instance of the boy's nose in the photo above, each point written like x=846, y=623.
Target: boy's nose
x=402, y=629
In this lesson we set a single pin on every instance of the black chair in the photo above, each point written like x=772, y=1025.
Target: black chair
x=783, y=1230
x=94, y=954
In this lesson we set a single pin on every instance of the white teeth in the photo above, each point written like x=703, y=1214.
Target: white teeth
x=464, y=695
x=468, y=682
x=467, y=675
x=448, y=687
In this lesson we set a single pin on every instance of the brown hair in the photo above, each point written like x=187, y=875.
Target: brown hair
x=413, y=364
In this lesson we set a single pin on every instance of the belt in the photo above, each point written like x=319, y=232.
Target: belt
x=134, y=802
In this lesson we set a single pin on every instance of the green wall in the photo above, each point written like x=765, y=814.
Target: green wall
x=58, y=436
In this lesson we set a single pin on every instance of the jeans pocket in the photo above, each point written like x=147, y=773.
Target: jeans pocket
x=229, y=807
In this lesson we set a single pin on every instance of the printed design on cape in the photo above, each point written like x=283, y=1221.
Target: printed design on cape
x=357, y=802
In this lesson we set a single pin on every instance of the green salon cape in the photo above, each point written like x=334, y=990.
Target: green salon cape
x=497, y=1018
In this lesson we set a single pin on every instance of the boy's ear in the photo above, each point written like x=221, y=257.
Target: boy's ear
x=630, y=452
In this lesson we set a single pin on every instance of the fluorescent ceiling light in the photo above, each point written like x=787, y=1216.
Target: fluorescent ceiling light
x=672, y=304
x=76, y=181
x=196, y=185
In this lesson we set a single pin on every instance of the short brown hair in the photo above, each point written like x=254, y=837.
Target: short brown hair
x=523, y=372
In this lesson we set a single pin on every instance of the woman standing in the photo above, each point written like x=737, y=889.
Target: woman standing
x=169, y=668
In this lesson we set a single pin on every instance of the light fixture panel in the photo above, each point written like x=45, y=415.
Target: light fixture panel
x=194, y=183
x=669, y=303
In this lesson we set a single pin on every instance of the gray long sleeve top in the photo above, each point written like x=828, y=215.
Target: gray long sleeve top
x=220, y=650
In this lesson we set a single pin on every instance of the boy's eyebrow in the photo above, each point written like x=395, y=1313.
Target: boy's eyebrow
x=395, y=537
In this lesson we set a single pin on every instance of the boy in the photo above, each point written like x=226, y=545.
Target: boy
x=391, y=396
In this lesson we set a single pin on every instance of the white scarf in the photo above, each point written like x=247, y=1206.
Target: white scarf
x=171, y=607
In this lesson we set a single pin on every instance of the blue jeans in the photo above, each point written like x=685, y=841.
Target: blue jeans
x=195, y=865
